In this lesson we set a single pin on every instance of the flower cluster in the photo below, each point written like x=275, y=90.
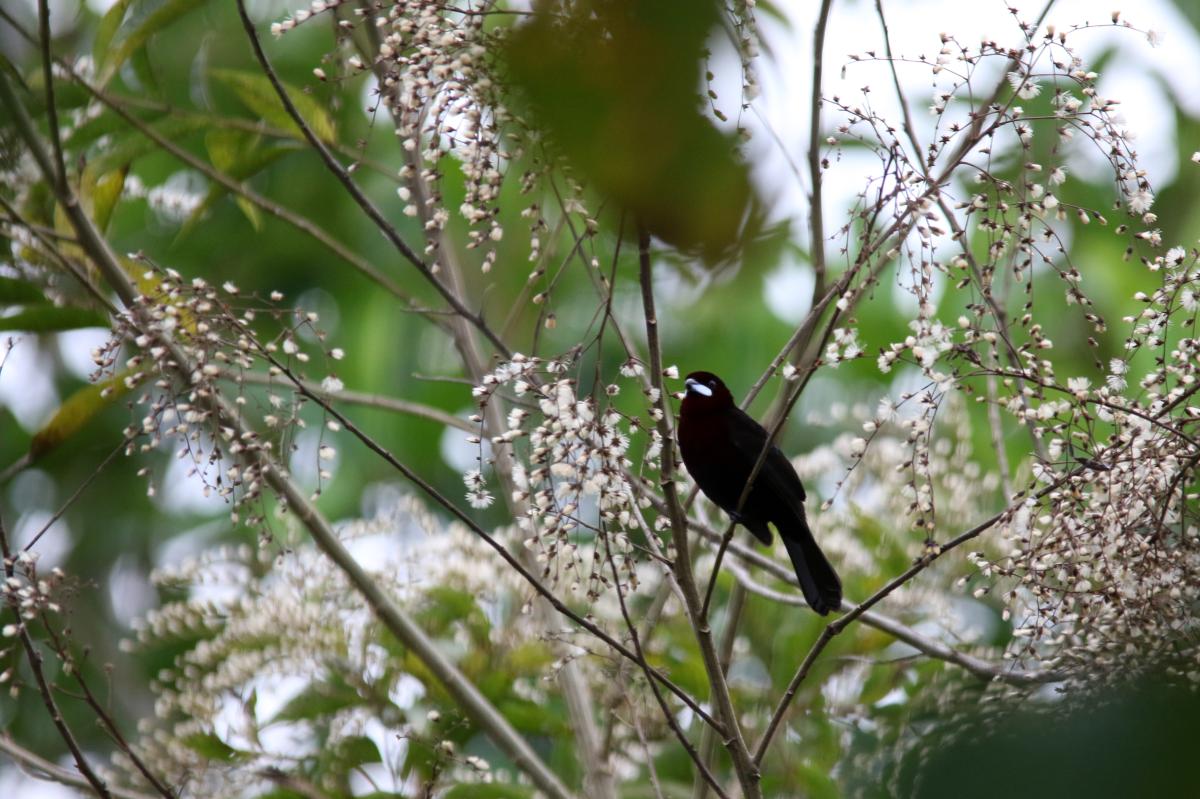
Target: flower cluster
x=434, y=77
x=216, y=331
x=1102, y=560
x=573, y=479
x=284, y=665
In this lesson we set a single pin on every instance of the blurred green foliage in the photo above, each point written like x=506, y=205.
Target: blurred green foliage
x=614, y=86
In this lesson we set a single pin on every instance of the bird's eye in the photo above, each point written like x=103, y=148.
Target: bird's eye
x=712, y=383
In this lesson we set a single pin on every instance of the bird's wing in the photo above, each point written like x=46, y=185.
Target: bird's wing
x=777, y=474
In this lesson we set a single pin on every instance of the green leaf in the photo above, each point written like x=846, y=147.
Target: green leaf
x=240, y=156
x=144, y=69
x=74, y=413
x=322, y=699
x=106, y=30
x=445, y=606
x=103, y=193
x=19, y=292
x=614, y=85
x=256, y=93
x=163, y=16
x=49, y=318
x=135, y=145
x=208, y=745
x=355, y=751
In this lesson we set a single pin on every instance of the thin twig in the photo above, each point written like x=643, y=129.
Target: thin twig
x=816, y=214
x=103, y=716
x=983, y=669
x=396, y=620
x=75, y=495
x=835, y=627
x=380, y=401
x=35, y=657
x=668, y=714
x=747, y=771
x=43, y=769
x=373, y=213
x=60, y=167
x=733, y=613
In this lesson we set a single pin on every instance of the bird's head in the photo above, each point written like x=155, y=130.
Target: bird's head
x=705, y=391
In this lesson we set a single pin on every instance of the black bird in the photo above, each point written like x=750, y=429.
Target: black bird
x=720, y=444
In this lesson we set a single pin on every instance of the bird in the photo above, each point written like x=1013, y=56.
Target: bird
x=720, y=443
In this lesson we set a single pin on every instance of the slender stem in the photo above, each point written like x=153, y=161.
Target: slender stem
x=668, y=714
x=733, y=613
x=396, y=620
x=103, y=716
x=835, y=627
x=816, y=214
x=35, y=657
x=75, y=495
x=373, y=213
x=379, y=401
x=747, y=771
x=60, y=167
x=983, y=669
x=43, y=769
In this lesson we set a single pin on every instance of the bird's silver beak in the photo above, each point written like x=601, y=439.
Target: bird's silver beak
x=696, y=387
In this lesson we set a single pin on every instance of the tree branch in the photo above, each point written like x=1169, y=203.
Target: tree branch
x=361, y=199
x=379, y=401
x=747, y=771
x=32, y=654
x=397, y=621
x=41, y=768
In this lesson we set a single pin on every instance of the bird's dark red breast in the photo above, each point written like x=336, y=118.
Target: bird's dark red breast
x=720, y=444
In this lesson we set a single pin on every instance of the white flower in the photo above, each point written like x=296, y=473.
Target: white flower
x=631, y=369
x=1140, y=201
x=1026, y=89
x=480, y=498
x=332, y=384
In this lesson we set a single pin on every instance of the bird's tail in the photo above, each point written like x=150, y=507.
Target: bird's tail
x=819, y=582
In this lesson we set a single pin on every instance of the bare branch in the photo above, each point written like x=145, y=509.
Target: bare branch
x=379, y=401
x=32, y=653
x=398, y=622
x=748, y=777
x=361, y=199
x=43, y=769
